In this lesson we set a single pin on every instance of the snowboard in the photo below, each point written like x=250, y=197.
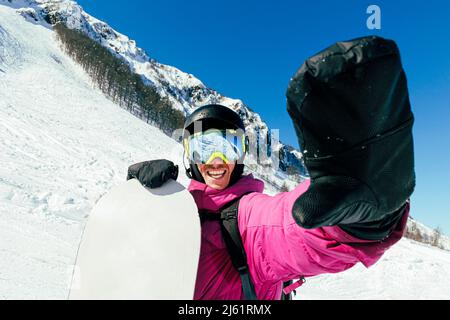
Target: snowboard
x=139, y=243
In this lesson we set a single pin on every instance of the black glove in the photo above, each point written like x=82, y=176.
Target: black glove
x=351, y=112
x=153, y=173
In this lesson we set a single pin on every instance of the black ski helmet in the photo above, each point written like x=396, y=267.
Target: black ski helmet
x=214, y=116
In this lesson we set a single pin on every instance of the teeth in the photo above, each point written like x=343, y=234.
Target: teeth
x=216, y=174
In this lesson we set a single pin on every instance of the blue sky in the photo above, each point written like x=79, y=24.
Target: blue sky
x=250, y=50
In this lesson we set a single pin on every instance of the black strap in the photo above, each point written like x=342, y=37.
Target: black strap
x=232, y=238
x=233, y=241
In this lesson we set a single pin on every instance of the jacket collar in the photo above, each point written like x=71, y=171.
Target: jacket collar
x=211, y=199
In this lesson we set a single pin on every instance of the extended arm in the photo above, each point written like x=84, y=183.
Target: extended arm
x=351, y=112
x=278, y=249
x=350, y=107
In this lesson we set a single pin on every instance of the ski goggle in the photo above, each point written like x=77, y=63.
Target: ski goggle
x=204, y=147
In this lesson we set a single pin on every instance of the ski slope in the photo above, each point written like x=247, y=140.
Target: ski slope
x=64, y=145
x=409, y=270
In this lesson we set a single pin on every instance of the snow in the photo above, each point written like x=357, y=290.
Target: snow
x=428, y=234
x=409, y=270
x=64, y=145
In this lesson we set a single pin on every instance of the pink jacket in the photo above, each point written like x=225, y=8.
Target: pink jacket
x=277, y=248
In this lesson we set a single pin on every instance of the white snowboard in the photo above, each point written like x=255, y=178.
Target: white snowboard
x=139, y=244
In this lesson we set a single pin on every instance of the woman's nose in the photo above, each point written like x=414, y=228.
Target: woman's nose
x=217, y=162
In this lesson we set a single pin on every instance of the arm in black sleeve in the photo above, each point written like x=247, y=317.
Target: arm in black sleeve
x=352, y=115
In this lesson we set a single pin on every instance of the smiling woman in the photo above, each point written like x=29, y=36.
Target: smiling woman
x=262, y=42
x=72, y=144
x=217, y=174
x=215, y=145
x=355, y=203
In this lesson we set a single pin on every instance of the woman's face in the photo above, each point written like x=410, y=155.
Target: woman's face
x=216, y=174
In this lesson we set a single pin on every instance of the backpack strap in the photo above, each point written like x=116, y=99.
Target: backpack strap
x=233, y=241
x=232, y=238
x=284, y=295
x=290, y=287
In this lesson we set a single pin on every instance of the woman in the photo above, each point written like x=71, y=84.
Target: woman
x=354, y=207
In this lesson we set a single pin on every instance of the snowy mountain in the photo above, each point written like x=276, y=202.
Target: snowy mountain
x=184, y=91
x=64, y=145
x=419, y=232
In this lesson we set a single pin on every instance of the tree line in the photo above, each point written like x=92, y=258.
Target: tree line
x=114, y=77
x=413, y=232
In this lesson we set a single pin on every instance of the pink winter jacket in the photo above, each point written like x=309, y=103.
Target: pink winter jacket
x=277, y=248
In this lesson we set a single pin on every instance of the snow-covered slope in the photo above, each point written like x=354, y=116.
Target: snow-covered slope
x=63, y=145
x=409, y=270
x=420, y=232
x=185, y=92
